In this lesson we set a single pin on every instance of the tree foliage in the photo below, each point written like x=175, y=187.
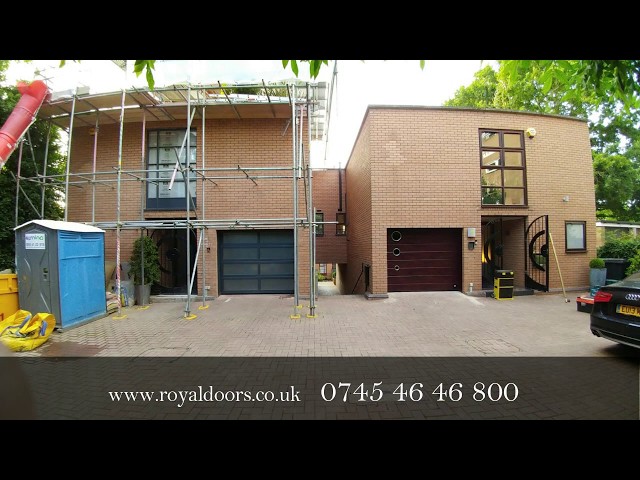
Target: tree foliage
x=30, y=167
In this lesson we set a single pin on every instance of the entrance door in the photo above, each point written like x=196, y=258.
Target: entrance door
x=172, y=249
x=537, y=254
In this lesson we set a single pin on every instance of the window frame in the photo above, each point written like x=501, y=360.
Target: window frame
x=566, y=236
x=172, y=203
x=320, y=228
x=341, y=226
x=501, y=149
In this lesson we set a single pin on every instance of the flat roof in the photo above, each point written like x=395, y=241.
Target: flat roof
x=60, y=225
x=170, y=103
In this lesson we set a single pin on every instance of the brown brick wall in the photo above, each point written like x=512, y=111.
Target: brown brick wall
x=228, y=143
x=330, y=248
x=359, y=219
x=422, y=170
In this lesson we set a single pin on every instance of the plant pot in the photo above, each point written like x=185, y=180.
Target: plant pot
x=597, y=277
x=143, y=294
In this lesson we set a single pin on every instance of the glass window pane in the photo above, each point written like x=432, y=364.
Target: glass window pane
x=514, y=196
x=276, y=269
x=319, y=228
x=492, y=196
x=512, y=140
x=282, y=284
x=241, y=285
x=492, y=177
x=575, y=236
x=513, y=159
x=490, y=158
x=275, y=253
x=240, y=254
x=513, y=178
x=240, y=237
x=277, y=237
x=153, y=139
x=490, y=139
x=240, y=269
x=153, y=156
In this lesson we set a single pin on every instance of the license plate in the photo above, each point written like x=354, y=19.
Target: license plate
x=628, y=310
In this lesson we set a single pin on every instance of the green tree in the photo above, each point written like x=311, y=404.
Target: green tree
x=9, y=96
x=616, y=179
x=480, y=94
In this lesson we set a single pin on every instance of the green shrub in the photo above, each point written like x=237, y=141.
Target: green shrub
x=635, y=264
x=321, y=277
x=620, y=248
x=596, y=263
x=151, y=261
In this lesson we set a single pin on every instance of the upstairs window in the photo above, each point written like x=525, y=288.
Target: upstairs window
x=503, y=177
x=164, y=146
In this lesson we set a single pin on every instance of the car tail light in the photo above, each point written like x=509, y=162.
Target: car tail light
x=602, y=297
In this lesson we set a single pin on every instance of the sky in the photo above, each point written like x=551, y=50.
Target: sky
x=359, y=84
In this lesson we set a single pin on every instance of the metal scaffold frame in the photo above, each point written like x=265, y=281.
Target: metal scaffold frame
x=160, y=105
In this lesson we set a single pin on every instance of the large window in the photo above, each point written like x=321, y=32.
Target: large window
x=164, y=146
x=502, y=168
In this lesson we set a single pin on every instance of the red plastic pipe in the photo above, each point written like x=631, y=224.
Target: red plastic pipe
x=24, y=113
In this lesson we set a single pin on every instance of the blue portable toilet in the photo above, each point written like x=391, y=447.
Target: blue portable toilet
x=60, y=267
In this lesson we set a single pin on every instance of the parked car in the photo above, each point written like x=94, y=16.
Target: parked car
x=616, y=311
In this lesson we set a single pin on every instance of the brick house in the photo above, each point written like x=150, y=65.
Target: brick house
x=439, y=198
x=241, y=151
x=432, y=198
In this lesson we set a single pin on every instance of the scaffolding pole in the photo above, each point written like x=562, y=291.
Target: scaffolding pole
x=204, y=252
x=312, y=232
x=118, y=194
x=18, y=179
x=187, y=195
x=143, y=189
x=296, y=290
x=66, y=188
x=95, y=158
x=43, y=187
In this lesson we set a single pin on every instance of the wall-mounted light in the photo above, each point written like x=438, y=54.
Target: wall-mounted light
x=471, y=232
x=531, y=132
x=565, y=198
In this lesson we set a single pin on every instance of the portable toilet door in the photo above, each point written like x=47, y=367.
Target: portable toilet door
x=34, y=269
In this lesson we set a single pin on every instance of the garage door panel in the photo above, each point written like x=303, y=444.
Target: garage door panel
x=421, y=256
x=256, y=261
x=427, y=259
x=240, y=285
x=443, y=271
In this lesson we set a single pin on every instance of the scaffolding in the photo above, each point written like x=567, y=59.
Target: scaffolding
x=292, y=101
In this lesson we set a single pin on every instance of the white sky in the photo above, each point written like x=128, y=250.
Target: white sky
x=391, y=82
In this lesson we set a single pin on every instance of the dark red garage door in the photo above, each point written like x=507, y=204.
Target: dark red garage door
x=424, y=259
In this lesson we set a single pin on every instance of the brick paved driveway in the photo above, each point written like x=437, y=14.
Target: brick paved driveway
x=405, y=324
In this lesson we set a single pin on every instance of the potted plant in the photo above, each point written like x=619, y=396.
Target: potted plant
x=144, y=258
x=598, y=273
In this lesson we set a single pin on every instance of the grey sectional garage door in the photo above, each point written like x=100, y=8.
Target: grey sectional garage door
x=256, y=261
x=424, y=259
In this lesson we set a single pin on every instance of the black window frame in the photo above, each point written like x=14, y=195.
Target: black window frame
x=319, y=228
x=173, y=203
x=584, y=236
x=502, y=167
